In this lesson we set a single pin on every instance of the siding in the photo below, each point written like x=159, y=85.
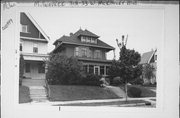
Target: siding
x=33, y=31
x=28, y=47
x=69, y=51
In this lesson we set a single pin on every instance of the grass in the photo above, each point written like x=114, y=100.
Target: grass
x=117, y=103
x=146, y=91
x=24, y=94
x=73, y=92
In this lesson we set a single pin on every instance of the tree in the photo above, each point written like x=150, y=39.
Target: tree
x=63, y=70
x=148, y=71
x=21, y=68
x=127, y=66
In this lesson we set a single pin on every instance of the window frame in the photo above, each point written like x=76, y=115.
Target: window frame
x=35, y=48
x=27, y=67
x=41, y=68
x=26, y=28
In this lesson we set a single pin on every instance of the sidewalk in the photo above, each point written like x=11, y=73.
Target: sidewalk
x=56, y=103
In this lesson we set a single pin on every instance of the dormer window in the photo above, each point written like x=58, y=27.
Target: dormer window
x=88, y=39
x=24, y=29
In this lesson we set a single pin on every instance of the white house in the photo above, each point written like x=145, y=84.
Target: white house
x=33, y=47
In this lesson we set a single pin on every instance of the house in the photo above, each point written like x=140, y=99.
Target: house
x=88, y=48
x=150, y=58
x=33, y=47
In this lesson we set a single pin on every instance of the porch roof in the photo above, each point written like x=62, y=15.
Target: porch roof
x=35, y=57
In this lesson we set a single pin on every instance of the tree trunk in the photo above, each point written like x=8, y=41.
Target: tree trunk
x=126, y=90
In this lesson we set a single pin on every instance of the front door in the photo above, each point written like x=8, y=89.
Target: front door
x=96, y=70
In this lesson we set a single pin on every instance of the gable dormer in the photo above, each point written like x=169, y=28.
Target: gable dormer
x=30, y=29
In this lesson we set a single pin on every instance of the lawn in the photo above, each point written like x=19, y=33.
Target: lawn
x=116, y=103
x=24, y=94
x=73, y=92
x=146, y=91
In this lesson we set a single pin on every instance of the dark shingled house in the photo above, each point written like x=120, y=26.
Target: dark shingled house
x=88, y=48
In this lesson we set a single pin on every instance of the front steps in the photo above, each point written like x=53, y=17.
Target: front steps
x=37, y=89
x=33, y=82
x=38, y=93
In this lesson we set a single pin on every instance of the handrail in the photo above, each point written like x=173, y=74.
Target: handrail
x=47, y=88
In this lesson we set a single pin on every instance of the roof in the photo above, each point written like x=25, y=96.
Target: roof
x=74, y=40
x=146, y=57
x=85, y=33
x=37, y=26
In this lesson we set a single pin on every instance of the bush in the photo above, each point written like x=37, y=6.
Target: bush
x=92, y=80
x=138, y=81
x=134, y=92
x=117, y=81
x=63, y=70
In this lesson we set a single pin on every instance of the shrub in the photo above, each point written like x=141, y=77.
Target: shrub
x=134, y=92
x=63, y=70
x=117, y=81
x=92, y=80
x=137, y=81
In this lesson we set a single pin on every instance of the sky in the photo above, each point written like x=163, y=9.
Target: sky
x=144, y=27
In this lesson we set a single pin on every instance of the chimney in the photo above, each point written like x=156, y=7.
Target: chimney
x=71, y=34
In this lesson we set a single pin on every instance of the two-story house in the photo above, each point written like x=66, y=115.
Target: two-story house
x=150, y=58
x=33, y=47
x=88, y=48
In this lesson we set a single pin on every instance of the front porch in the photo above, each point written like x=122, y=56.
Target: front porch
x=34, y=69
x=96, y=67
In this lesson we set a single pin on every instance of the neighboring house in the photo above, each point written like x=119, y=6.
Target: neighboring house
x=33, y=47
x=150, y=58
x=87, y=47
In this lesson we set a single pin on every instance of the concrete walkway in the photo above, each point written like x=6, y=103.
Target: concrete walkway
x=117, y=90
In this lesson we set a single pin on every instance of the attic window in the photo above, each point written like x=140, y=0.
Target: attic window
x=88, y=39
x=24, y=29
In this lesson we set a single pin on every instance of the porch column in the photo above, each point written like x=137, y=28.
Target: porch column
x=104, y=70
x=88, y=68
x=46, y=68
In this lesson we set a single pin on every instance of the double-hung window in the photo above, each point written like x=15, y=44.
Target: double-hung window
x=35, y=48
x=84, y=52
x=97, y=54
x=24, y=28
x=76, y=51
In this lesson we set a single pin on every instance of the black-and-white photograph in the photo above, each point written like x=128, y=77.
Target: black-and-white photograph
x=90, y=57
x=95, y=58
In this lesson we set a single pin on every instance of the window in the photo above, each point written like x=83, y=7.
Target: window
x=155, y=57
x=85, y=68
x=88, y=40
x=89, y=53
x=101, y=70
x=76, y=51
x=27, y=67
x=24, y=28
x=41, y=68
x=93, y=40
x=83, y=39
x=91, y=69
x=84, y=52
x=97, y=54
x=20, y=48
x=35, y=48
